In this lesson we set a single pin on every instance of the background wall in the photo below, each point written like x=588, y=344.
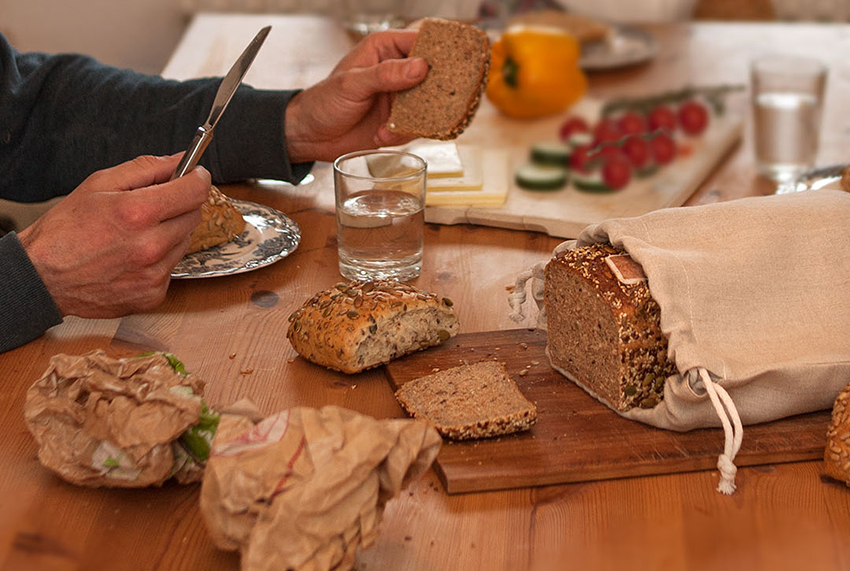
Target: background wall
x=139, y=34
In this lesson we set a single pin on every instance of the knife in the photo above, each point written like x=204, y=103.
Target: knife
x=225, y=92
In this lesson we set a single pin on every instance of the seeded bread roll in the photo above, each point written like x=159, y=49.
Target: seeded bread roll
x=221, y=222
x=442, y=106
x=603, y=328
x=469, y=401
x=360, y=325
x=836, y=457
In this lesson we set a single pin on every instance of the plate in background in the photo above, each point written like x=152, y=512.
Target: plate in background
x=821, y=177
x=623, y=47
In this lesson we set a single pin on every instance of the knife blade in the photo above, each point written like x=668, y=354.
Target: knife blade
x=233, y=79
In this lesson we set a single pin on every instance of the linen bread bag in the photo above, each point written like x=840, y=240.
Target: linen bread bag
x=753, y=301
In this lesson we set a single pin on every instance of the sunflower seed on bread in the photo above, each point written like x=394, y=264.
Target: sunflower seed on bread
x=363, y=324
x=836, y=457
x=220, y=223
x=442, y=106
x=469, y=401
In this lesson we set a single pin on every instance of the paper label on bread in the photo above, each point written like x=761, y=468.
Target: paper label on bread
x=626, y=270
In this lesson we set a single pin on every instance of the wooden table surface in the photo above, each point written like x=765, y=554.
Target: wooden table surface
x=230, y=331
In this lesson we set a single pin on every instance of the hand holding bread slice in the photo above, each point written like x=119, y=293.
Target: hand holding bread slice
x=443, y=105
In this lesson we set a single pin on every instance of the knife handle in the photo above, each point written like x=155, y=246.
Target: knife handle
x=193, y=154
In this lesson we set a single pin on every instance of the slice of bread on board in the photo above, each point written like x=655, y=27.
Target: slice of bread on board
x=469, y=401
x=442, y=106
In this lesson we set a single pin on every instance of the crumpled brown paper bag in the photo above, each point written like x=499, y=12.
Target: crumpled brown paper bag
x=100, y=421
x=304, y=488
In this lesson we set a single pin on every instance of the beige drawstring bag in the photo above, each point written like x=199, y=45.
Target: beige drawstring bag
x=755, y=302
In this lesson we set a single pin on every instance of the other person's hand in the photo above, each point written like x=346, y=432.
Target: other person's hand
x=108, y=248
x=349, y=109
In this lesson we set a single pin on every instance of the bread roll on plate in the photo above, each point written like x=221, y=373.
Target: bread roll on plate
x=221, y=222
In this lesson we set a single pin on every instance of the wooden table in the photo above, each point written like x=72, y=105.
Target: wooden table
x=231, y=332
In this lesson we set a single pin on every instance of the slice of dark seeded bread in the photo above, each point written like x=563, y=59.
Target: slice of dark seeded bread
x=441, y=107
x=469, y=401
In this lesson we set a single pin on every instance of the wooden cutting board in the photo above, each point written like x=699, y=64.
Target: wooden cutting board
x=566, y=212
x=576, y=438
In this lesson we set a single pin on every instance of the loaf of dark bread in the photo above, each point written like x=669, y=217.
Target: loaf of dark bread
x=220, y=223
x=469, y=401
x=836, y=457
x=603, y=327
x=360, y=325
x=442, y=106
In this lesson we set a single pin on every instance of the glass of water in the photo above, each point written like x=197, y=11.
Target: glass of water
x=362, y=17
x=787, y=96
x=380, y=214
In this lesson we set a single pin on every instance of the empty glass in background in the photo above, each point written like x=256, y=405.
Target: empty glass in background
x=380, y=214
x=787, y=96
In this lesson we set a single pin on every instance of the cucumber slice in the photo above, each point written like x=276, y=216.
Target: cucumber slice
x=579, y=139
x=538, y=177
x=551, y=154
x=590, y=182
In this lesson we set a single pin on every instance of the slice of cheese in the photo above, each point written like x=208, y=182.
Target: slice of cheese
x=443, y=157
x=471, y=178
x=495, y=170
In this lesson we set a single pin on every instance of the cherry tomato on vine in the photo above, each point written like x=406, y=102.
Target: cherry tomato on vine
x=663, y=147
x=631, y=123
x=606, y=131
x=662, y=117
x=616, y=172
x=573, y=125
x=637, y=150
x=693, y=117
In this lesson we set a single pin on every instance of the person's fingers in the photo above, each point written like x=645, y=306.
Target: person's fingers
x=386, y=138
x=389, y=75
x=393, y=43
x=377, y=47
x=157, y=243
x=160, y=202
x=137, y=173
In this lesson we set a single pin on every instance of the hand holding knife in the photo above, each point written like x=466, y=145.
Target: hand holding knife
x=229, y=84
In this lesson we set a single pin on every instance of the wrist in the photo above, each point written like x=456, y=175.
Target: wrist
x=297, y=148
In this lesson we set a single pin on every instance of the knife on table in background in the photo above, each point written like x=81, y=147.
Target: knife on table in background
x=225, y=92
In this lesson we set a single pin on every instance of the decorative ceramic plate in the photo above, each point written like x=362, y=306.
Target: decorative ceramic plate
x=269, y=236
x=624, y=46
x=822, y=177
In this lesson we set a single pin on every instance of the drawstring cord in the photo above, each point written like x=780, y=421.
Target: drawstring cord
x=733, y=431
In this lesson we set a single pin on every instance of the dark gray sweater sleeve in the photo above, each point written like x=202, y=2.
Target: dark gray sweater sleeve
x=26, y=308
x=63, y=117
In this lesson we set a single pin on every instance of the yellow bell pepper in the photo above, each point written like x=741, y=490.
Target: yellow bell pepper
x=535, y=72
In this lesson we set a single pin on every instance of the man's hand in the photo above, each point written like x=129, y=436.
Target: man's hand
x=109, y=247
x=349, y=109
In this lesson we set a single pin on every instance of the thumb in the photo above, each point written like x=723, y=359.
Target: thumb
x=389, y=75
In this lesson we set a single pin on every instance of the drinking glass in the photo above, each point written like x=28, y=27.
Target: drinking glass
x=380, y=214
x=787, y=97
x=362, y=17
